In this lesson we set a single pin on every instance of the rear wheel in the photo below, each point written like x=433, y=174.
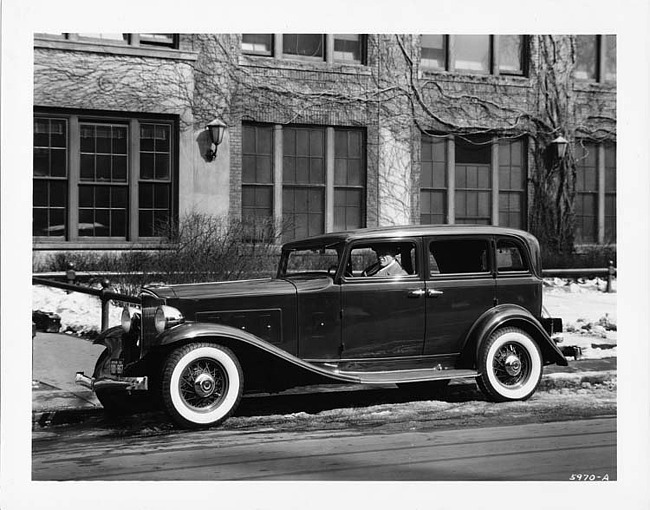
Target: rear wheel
x=202, y=384
x=509, y=365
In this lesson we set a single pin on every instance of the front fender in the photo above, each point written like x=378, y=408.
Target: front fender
x=121, y=348
x=197, y=331
x=516, y=316
x=111, y=338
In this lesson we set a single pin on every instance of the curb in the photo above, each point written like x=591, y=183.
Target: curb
x=42, y=419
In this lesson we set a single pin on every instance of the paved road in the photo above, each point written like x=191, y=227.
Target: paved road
x=548, y=451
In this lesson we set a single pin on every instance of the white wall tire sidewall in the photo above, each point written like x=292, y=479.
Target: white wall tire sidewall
x=232, y=394
x=536, y=366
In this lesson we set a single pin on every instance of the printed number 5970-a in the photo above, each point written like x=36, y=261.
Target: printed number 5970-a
x=587, y=477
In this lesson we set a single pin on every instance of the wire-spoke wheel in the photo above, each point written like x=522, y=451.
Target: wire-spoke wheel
x=202, y=384
x=509, y=365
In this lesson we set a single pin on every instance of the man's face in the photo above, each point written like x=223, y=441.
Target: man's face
x=384, y=258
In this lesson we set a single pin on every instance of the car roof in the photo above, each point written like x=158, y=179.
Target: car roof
x=393, y=232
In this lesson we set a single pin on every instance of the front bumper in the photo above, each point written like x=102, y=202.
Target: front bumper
x=113, y=383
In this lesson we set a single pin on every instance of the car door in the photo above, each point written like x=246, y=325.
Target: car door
x=382, y=316
x=460, y=287
x=516, y=283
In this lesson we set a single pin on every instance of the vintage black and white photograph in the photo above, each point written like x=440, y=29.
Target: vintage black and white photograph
x=275, y=260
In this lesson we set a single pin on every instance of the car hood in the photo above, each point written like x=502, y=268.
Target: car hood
x=237, y=288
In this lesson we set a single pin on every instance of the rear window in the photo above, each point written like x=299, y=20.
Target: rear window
x=510, y=257
x=458, y=256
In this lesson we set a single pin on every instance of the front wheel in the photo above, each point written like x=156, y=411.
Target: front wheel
x=202, y=384
x=509, y=365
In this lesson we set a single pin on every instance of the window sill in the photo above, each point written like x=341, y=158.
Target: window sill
x=506, y=79
x=46, y=245
x=108, y=48
x=269, y=62
x=593, y=86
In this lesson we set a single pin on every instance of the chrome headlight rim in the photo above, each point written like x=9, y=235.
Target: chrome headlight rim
x=167, y=317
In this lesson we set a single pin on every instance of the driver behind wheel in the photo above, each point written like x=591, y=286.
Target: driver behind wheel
x=387, y=263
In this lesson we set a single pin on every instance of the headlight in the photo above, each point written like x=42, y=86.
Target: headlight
x=126, y=319
x=167, y=317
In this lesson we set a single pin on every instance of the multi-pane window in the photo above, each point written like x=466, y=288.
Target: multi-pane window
x=511, y=56
x=472, y=179
x=512, y=184
x=609, y=66
x=303, y=191
x=349, y=48
x=474, y=54
x=169, y=40
x=586, y=57
x=155, y=178
x=433, y=181
x=331, y=48
x=260, y=44
x=103, y=187
x=257, y=173
x=116, y=173
x=434, y=51
x=595, y=58
x=349, y=179
x=304, y=45
x=323, y=177
x=610, y=193
x=50, y=176
x=586, y=200
x=161, y=40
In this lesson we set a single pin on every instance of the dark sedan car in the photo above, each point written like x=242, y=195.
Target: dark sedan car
x=403, y=305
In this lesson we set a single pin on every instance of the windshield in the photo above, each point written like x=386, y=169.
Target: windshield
x=312, y=260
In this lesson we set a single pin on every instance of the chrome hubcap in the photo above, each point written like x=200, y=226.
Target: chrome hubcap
x=513, y=365
x=203, y=385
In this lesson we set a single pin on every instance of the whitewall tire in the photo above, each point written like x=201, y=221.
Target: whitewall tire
x=509, y=365
x=202, y=384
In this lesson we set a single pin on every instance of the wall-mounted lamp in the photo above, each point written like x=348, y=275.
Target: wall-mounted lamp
x=559, y=145
x=216, y=128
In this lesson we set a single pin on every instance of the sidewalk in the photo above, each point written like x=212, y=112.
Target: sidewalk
x=55, y=361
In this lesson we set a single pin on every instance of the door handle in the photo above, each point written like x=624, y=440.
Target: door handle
x=434, y=293
x=416, y=293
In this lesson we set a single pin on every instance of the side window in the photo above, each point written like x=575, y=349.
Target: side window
x=510, y=257
x=458, y=256
x=386, y=259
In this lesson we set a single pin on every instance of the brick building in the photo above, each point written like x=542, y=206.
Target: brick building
x=324, y=131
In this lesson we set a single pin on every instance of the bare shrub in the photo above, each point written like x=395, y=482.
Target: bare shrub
x=202, y=248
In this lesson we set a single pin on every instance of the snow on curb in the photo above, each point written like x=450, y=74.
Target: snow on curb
x=585, y=380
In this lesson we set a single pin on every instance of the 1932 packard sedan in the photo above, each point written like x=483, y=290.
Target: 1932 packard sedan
x=400, y=305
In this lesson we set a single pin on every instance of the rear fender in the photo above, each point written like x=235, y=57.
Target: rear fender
x=513, y=316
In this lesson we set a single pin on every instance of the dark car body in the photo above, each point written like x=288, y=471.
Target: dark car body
x=321, y=320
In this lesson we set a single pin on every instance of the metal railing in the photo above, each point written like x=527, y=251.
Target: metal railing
x=104, y=294
x=609, y=272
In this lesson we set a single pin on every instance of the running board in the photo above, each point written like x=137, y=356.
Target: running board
x=408, y=376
